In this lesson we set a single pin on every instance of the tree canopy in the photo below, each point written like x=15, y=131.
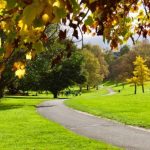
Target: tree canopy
x=99, y=54
x=67, y=73
x=92, y=68
x=42, y=74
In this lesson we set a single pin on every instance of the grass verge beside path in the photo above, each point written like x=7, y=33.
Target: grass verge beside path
x=124, y=107
x=21, y=128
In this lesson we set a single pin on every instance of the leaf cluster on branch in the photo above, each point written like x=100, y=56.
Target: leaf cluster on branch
x=24, y=22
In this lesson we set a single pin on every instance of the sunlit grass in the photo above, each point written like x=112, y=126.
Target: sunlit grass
x=125, y=106
x=22, y=128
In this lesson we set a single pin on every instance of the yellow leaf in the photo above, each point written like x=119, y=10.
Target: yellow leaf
x=19, y=68
x=114, y=22
x=23, y=27
x=49, y=12
x=3, y=25
x=20, y=73
x=3, y=4
x=57, y=4
x=29, y=55
x=19, y=65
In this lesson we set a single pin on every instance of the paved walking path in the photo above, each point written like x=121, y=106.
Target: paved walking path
x=95, y=127
x=110, y=92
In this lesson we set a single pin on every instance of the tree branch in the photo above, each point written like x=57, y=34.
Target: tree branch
x=145, y=10
x=81, y=35
x=132, y=38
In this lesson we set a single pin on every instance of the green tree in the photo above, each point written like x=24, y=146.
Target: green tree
x=43, y=63
x=92, y=68
x=99, y=54
x=109, y=57
x=122, y=68
x=10, y=71
x=8, y=76
x=125, y=49
x=69, y=72
x=34, y=68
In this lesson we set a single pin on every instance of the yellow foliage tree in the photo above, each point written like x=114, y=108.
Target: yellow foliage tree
x=134, y=81
x=141, y=73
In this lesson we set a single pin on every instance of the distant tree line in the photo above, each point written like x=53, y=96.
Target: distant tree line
x=62, y=65
x=122, y=64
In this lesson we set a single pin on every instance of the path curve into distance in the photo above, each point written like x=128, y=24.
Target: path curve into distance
x=94, y=127
x=110, y=92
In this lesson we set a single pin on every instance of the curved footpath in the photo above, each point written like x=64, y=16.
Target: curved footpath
x=94, y=127
x=110, y=92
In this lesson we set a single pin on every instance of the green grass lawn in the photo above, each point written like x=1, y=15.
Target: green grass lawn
x=124, y=106
x=21, y=128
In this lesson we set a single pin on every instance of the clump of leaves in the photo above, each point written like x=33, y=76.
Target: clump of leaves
x=24, y=22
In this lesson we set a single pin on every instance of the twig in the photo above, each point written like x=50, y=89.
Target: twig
x=132, y=38
x=81, y=35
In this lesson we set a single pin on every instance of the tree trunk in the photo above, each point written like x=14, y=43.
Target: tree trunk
x=97, y=87
x=80, y=86
x=123, y=85
x=55, y=94
x=2, y=87
x=135, y=89
x=143, y=88
x=87, y=87
x=1, y=92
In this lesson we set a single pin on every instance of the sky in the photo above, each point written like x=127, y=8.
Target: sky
x=98, y=40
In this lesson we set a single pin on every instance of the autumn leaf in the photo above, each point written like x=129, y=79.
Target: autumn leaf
x=84, y=28
x=29, y=55
x=20, y=73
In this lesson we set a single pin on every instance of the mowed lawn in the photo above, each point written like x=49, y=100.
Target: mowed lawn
x=124, y=107
x=22, y=128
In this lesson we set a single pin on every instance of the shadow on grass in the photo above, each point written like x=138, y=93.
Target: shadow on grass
x=6, y=106
x=35, y=97
x=13, y=106
x=28, y=97
x=10, y=105
x=62, y=98
x=42, y=106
